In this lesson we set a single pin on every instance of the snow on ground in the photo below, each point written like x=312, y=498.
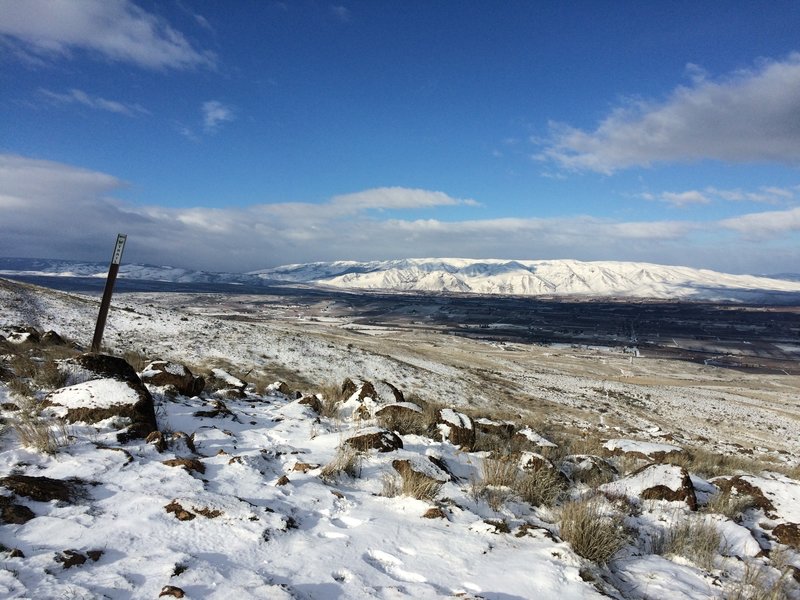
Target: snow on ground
x=263, y=522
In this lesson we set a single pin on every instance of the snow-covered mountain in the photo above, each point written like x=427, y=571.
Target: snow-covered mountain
x=536, y=278
x=486, y=276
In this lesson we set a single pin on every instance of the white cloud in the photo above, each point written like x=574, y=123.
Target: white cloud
x=117, y=30
x=764, y=195
x=397, y=197
x=680, y=199
x=749, y=116
x=75, y=96
x=765, y=225
x=49, y=209
x=214, y=114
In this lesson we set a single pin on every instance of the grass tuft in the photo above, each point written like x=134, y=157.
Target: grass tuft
x=591, y=532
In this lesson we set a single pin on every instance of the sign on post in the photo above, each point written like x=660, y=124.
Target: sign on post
x=105, y=303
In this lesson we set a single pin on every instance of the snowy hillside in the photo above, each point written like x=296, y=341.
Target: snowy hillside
x=536, y=278
x=488, y=276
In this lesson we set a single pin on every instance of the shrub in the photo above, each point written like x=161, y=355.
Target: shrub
x=593, y=534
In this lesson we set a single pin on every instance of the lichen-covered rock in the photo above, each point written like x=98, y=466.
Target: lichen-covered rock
x=375, y=438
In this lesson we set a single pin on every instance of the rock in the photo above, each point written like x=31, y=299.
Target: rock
x=71, y=558
x=14, y=514
x=42, y=489
x=100, y=399
x=375, y=438
x=180, y=513
x=490, y=427
x=649, y=451
x=738, y=485
x=282, y=388
x=435, y=512
x=455, y=427
x=532, y=461
x=220, y=380
x=789, y=534
x=53, y=339
x=172, y=590
x=527, y=437
x=311, y=401
x=303, y=467
x=417, y=466
x=219, y=409
x=655, y=482
x=164, y=373
x=397, y=395
x=104, y=366
x=284, y=480
x=585, y=468
x=188, y=464
x=23, y=334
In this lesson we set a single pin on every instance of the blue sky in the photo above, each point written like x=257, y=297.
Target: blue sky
x=245, y=134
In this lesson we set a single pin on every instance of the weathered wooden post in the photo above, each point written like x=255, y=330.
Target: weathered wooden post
x=113, y=269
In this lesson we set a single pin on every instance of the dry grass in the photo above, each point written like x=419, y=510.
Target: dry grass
x=543, y=487
x=404, y=423
x=411, y=483
x=729, y=505
x=713, y=464
x=501, y=472
x=35, y=431
x=591, y=532
x=758, y=583
x=347, y=461
x=694, y=539
x=332, y=398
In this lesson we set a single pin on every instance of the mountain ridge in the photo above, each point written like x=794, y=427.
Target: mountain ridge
x=560, y=278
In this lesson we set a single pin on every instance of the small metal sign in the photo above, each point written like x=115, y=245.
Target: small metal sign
x=105, y=303
x=117, y=257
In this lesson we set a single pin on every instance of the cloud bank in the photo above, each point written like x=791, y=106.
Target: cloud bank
x=54, y=210
x=749, y=116
x=115, y=30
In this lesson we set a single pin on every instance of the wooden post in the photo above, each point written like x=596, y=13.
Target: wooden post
x=113, y=269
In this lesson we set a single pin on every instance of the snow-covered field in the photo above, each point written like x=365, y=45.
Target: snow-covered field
x=263, y=519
